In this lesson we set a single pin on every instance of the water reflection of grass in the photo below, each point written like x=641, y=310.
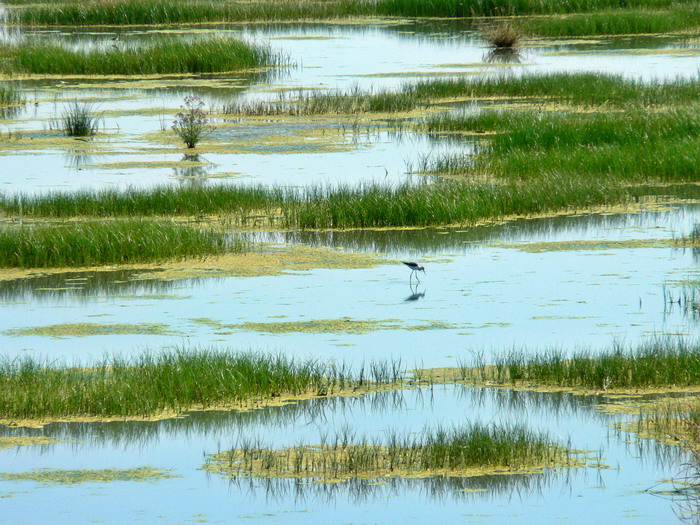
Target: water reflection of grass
x=168, y=383
x=99, y=243
x=169, y=56
x=471, y=450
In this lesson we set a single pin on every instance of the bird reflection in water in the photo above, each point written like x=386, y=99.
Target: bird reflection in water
x=415, y=296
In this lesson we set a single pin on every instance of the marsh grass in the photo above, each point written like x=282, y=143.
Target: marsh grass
x=167, y=56
x=316, y=102
x=162, y=12
x=614, y=22
x=169, y=381
x=660, y=363
x=503, y=35
x=584, y=89
x=621, y=146
x=111, y=242
x=362, y=206
x=467, y=450
x=80, y=120
x=165, y=12
x=9, y=96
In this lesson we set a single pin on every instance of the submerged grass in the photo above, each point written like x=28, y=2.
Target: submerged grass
x=167, y=56
x=468, y=450
x=112, y=242
x=662, y=363
x=168, y=382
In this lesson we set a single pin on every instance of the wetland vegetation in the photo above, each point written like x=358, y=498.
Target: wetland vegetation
x=167, y=56
x=571, y=18
x=469, y=450
x=663, y=363
x=171, y=382
x=108, y=242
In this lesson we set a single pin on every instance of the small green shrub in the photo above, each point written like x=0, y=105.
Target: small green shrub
x=191, y=124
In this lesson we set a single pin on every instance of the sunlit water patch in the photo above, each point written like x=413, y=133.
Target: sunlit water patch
x=613, y=486
x=596, y=280
x=327, y=56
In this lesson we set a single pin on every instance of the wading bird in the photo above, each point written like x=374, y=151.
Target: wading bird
x=415, y=268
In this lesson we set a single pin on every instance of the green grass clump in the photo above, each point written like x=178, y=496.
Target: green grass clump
x=468, y=8
x=167, y=56
x=614, y=22
x=79, y=120
x=354, y=101
x=585, y=89
x=164, y=12
x=364, y=206
x=623, y=146
x=166, y=382
x=113, y=242
x=592, y=89
x=468, y=450
x=660, y=363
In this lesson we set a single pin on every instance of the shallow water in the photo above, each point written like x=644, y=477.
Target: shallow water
x=326, y=56
x=483, y=290
x=181, y=445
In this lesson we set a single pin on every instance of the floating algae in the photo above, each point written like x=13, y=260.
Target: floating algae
x=88, y=329
x=72, y=477
x=25, y=441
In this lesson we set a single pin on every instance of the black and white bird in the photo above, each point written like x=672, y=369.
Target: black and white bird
x=415, y=268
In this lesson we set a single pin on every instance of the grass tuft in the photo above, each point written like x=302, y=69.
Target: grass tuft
x=167, y=56
x=79, y=120
x=661, y=363
x=113, y=242
x=467, y=450
x=170, y=381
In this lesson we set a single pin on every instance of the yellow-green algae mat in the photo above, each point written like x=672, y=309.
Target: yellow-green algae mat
x=71, y=477
x=60, y=331
x=25, y=441
x=319, y=326
x=267, y=261
x=333, y=464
